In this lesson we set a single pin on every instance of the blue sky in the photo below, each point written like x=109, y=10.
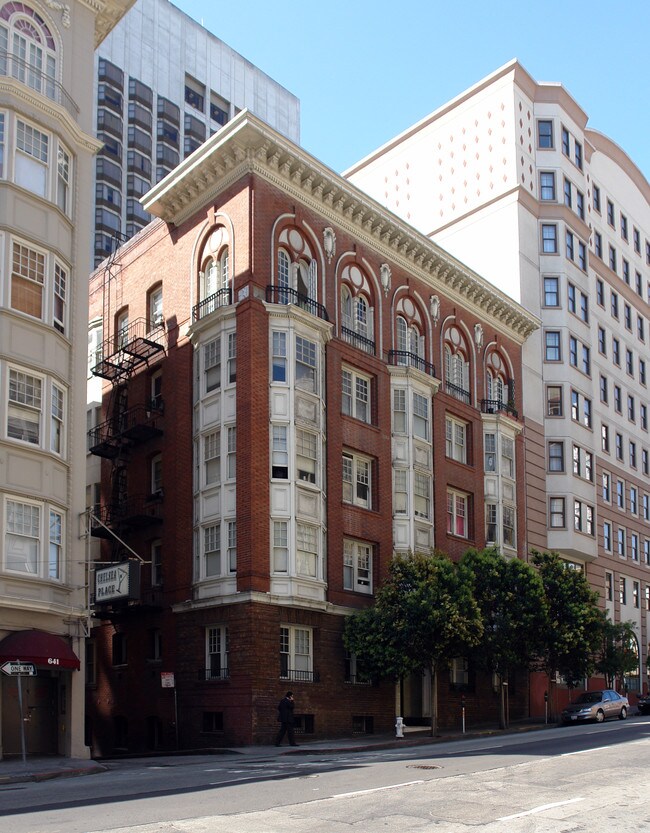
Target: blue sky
x=365, y=71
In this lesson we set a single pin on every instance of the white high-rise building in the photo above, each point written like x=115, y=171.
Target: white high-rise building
x=164, y=84
x=510, y=178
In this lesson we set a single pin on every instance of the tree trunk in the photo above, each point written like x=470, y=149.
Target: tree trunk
x=434, y=700
x=502, y=705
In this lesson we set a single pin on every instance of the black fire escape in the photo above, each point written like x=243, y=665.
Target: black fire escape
x=125, y=428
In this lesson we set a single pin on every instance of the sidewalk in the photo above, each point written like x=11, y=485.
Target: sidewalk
x=13, y=770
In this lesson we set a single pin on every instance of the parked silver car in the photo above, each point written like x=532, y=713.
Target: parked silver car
x=596, y=705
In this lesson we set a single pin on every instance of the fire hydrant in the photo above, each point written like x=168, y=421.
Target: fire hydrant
x=399, y=727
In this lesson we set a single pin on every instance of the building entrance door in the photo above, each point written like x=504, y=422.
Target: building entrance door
x=40, y=713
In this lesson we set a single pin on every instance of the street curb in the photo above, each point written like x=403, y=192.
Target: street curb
x=50, y=775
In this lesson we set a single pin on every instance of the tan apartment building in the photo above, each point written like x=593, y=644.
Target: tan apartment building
x=46, y=187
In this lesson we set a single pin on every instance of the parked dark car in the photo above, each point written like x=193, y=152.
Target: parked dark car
x=643, y=702
x=596, y=705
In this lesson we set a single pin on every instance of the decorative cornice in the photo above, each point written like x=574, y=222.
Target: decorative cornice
x=63, y=8
x=246, y=145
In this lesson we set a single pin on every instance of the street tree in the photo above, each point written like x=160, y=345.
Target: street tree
x=424, y=616
x=510, y=596
x=573, y=628
x=619, y=654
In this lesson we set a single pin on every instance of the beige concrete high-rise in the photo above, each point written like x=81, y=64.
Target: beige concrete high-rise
x=47, y=147
x=511, y=179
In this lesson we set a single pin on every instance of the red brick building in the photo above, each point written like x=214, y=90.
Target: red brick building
x=297, y=385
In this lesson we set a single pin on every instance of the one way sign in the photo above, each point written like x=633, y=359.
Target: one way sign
x=19, y=669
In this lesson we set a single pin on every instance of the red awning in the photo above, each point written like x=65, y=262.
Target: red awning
x=39, y=648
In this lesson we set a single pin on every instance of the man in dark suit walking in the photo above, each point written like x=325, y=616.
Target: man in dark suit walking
x=285, y=716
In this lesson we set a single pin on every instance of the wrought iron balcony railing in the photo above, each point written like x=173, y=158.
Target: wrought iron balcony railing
x=496, y=406
x=285, y=295
x=359, y=341
x=299, y=676
x=458, y=392
x=403, y=358
x=12, y=66
x=221, y=298
x=214, y=674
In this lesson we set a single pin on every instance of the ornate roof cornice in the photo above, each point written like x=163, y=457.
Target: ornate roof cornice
x=108, y=14
x=246, y=145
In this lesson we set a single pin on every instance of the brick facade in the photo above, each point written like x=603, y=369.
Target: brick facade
x=258, y=210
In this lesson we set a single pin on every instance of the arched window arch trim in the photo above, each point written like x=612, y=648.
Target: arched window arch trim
x=499, y=376
x=297, y=261
x=355, y=305
x=215, y=240
x=30, y=48
x=458, y=360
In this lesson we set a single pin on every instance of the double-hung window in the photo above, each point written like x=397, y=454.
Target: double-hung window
x=400, y=423
x=216, y=652
x=307, y=550
x=456, y=439
x=212, y=364
x=212, y=457
x=306, y=366
x=422, y=495
x=34, y=539
x=279, y=452
x=25, y=407
x=457, y=513
x=420, y=416
x=357, y=566
x=357, y=484
x=32, y=158
x=306, y=456
x=279, y=357
x=296, y=661
x=355, y=395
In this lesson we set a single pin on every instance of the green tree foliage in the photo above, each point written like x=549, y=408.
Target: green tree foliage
x=619, y=654
x=424, y=615
x=510, y=596
x=573, y=629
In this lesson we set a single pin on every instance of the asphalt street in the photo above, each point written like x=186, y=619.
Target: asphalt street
x=593, y=777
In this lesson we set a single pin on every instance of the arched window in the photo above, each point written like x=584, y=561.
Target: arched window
x=284, y=276
x=27, y=48
x=499, y=388
x=410, y=344
x=456, y=366
x=357, y=313
x=296, y=278
x=215, y=284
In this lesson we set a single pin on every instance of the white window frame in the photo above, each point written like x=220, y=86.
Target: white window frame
x=455, y=439
x=38, y=531
x=25, y=406
x=307, y=468
x=357, y=480
x=400, y=413
x=357, y=566
x=457, y=513
x=212, y=364
x=421, y=416
x=355, y=394
x=279, y=452
x=307, y=550
x=296, y=653
x=280, y=547
x=422, y=495
x=306, y=364
x=216, y=652
x=278, y=356
x=212, y=458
